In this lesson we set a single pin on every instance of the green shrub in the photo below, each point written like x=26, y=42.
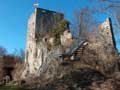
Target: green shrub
x=58, y=30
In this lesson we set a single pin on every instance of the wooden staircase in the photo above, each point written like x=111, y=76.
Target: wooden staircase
x=79, y=51
x=76, y=52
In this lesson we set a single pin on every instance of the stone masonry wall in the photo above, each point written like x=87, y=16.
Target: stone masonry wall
x=39, y=25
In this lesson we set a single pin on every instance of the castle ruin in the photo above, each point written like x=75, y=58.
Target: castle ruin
x=41, y=23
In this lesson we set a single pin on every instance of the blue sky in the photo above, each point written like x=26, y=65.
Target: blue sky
x=14, y=16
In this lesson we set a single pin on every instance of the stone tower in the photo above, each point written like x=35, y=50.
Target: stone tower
x=40, y=23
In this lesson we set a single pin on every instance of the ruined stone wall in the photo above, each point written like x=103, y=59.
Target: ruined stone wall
x=104, y=40
x=40, y=23
x=102, y=52
x=46, y=20
x=106, y=32
x=31, y=41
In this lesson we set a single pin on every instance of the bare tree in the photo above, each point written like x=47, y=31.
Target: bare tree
x=3, y=51
x=19, y=54
x=112, y=8
x=84, y=22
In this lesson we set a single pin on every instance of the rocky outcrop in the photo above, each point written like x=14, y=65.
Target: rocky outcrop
x=80, y=79
x=8, y=64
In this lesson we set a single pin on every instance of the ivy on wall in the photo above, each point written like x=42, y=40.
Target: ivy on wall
x=57, y=31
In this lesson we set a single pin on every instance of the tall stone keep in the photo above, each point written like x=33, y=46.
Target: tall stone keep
x=40, y=23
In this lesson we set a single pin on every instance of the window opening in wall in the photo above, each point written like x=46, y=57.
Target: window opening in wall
x=32, y=23
x=107, y=32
